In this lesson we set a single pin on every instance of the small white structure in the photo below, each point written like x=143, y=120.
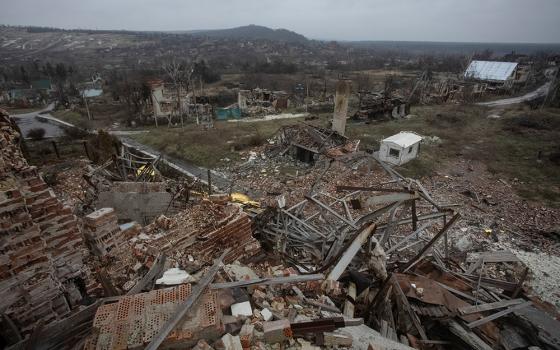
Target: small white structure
x=400, y=148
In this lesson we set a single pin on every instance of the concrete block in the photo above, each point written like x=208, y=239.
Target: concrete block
x=266, y=314
x=277, y=331
x=231, y=342
x=242, y=309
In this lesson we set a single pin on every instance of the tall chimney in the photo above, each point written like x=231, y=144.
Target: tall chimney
x=343, y=88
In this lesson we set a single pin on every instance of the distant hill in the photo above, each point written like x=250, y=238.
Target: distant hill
x=252, y=32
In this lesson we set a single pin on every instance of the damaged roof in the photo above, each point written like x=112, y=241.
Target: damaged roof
x=404, y=139
x=490, y=70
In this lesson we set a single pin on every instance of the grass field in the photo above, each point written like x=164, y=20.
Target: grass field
x=509, y=145
x=209, y=147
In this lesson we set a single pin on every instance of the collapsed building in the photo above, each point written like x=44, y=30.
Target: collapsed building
x=42, y=270
x=307, y=143
x=170, y=101
x=493, y=75
x=378, y=106
x=262, y=101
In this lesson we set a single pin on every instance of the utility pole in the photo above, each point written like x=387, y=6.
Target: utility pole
x=85, y=102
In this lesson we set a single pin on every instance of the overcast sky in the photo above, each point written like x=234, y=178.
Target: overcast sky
x=415, y=20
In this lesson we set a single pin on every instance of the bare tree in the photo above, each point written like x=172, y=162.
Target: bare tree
x=176, y=72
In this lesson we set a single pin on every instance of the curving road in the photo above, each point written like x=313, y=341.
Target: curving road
x=540, y=92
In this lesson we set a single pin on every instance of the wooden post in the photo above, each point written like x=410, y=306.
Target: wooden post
x=350, y=300
x=55, y=149
x=86, y=149
x=414, y=215
x=209, y=182
x=445, y=238
x=412, y=261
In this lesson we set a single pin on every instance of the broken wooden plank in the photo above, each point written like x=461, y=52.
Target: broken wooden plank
x=467, y=336
x=303, y=298
x=493, y=257
x=268, y=281
x=186, y=305
x=457, y=292
x=391, y=198
x=350, y=300
x=154, y=272
x=431, y=242
x=419, y=218
x=407, y=238
x=371, y=189
x=403, y=301
x=349, y=254
x=490, y=282
x=332, y=211
x=498, y=314
x=466, y=310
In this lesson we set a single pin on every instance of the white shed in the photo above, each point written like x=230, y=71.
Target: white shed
x=400, y=148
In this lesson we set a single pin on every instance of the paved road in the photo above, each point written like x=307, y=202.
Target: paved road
x=540, y=92
x=41, y=119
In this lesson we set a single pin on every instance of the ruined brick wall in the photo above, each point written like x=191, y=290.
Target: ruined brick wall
x=41, y=246
x=237, y=234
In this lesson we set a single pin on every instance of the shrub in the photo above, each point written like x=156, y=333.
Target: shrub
x=36, y=133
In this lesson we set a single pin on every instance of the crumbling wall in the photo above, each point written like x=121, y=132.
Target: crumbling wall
x=41, y=247
x=138, y=201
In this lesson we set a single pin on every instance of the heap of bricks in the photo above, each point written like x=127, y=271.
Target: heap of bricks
x=235, y=233
x=205, y=230
x=102, y=231
x=41, y=248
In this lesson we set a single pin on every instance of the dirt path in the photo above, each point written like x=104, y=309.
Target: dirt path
x=540, y=92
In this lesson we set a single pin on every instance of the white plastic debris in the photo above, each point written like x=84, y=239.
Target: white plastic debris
x=174, y=276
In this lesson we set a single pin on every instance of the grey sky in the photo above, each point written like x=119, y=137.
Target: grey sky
x=424, y=20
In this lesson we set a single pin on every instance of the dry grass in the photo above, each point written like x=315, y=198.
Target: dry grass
x=209, y=147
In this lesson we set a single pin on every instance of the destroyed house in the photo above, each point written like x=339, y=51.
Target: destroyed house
x=306, y=143
x=491, y=71
x=400, y=148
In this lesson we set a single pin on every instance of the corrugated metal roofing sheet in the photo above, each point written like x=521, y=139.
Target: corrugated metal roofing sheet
x=404, y=139
x=490, y=70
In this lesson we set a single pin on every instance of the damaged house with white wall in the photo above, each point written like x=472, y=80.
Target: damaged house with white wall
x=493, y=75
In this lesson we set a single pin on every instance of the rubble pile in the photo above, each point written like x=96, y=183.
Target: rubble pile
x=493, y=212
x=68, y=183
x=41, y=244
x=378, y=106
x=188, y=239
x=202, y=231
x=306, y=142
